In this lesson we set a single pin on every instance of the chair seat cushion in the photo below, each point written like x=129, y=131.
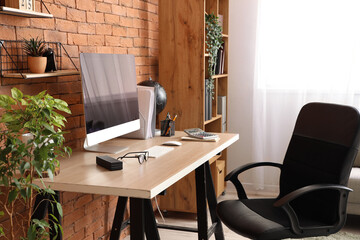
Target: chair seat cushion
x=259, y=219
x=250, y=224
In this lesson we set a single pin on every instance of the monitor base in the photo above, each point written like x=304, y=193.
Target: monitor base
x=105, y=148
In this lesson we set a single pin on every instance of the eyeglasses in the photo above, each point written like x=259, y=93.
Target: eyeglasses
x=141, y=156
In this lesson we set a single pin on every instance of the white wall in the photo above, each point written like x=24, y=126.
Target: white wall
x=242, y=32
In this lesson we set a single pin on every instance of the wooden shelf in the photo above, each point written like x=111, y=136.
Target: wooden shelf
x=42, y=75
x=220, y=76
x=213, y=119
x=214, y=158
x=23, y=13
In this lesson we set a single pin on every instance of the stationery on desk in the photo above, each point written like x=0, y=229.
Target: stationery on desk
x=168, y=126
x=197, y=134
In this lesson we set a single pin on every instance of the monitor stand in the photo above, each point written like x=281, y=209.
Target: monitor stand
x=104, y=148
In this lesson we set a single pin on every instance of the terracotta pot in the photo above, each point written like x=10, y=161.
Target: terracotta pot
x=37, y=64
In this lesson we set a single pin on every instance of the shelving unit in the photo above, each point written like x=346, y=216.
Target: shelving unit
x=182, y=72
x=13, y=61
x=26, y=13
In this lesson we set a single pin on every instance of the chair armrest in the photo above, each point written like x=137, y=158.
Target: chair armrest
x=233, y=175
x=284, y=202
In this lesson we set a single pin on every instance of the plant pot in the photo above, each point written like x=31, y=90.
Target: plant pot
x=37, y=64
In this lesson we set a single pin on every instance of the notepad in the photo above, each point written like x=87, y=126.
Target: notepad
x=158, y=151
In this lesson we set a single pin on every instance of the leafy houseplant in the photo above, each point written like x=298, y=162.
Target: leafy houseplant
x=214, y=42
x=21, y=163
x=35, y=49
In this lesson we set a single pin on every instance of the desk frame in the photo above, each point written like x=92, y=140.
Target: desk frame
x=142, y=216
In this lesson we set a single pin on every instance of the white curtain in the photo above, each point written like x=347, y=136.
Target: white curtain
x=306, y=51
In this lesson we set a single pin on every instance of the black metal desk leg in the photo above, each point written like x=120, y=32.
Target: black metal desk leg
x=42, y=205
x=201, y=202
x=212, y=202
x=53, y=210
x=118, y=218
x=150, y=222
x=137, y=223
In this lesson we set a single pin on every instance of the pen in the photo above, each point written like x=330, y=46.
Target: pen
x=175, y=117
x=168, y=128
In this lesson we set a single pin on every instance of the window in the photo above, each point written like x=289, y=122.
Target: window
x=309, y=44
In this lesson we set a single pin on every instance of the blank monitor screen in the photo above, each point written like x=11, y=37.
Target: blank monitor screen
x=110, y=96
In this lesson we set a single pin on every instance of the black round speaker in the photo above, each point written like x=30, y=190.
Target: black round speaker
x=159, y=93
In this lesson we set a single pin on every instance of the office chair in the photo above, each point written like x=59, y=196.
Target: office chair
x=313, y=178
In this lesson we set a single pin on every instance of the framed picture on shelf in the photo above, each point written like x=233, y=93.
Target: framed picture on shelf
x=19, y=4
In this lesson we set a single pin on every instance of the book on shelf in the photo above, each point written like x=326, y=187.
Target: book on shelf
x=208, y=102
x=220, y=60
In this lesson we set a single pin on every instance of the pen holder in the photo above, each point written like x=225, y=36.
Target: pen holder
x=167, y=128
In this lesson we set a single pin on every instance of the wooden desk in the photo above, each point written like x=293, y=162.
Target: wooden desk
x=79, y=173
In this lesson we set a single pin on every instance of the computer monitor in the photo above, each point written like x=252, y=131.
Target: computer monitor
x=110, y=99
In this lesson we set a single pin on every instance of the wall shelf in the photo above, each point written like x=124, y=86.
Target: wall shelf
x=23, y=13
x=42, y=75
x=13, y=61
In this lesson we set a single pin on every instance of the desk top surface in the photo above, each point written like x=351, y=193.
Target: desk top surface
x=79, y=173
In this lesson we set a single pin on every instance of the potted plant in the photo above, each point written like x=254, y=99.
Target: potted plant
x=23, y=163
x=34, y=49
x=214, y=42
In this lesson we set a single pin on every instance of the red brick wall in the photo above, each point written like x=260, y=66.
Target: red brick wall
x=101, y=26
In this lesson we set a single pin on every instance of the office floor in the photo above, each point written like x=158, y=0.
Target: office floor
x=189, y=220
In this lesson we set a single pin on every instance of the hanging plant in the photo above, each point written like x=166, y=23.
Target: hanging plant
x=214, y=42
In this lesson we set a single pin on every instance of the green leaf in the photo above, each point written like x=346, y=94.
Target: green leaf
x=50, y=191
x=27, y=165
x=6, y=101
x=1, y=213
x=34, y=186
x=23, y=193
x=59, y=208
x=28, y=192
x=7, y=117
x=5, y=181
x=16, y=93
x=17, y=183
x=63, y=108
x=56, y=228
x=53, y=217
x=61, y=102
x=48, y=127
x=12, y=195
x=24, y=102
x=31, y=234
